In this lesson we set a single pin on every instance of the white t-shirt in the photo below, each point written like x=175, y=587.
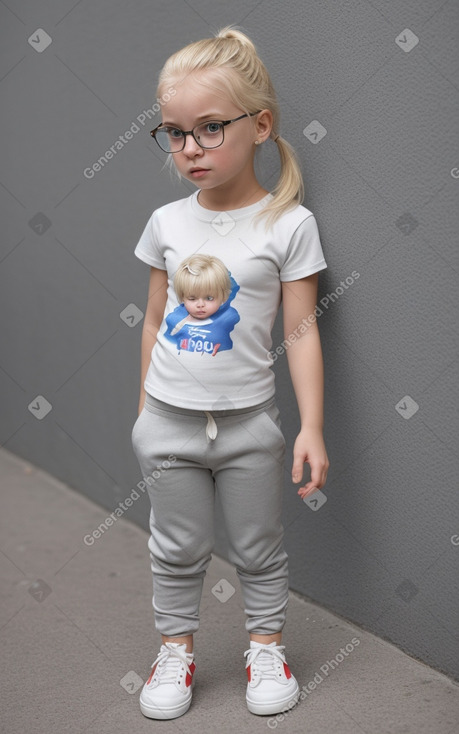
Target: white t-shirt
x=225, y=361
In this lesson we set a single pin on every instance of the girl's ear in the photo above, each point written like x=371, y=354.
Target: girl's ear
x=264, y=124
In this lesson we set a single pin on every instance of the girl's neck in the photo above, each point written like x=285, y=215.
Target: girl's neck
x=219, y=201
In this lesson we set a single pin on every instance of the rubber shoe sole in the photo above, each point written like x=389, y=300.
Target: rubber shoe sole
x=270, y=707
x=166, y=712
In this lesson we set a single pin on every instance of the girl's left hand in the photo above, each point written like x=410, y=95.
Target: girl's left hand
x=310, y=448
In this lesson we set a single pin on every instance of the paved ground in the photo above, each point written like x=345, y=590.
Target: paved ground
x=78, y=640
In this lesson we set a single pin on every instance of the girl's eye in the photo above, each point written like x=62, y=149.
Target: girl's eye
x=209, y=298
x=213, y=127
x=173, y=132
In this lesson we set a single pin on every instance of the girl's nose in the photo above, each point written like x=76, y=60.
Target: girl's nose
x=191, y=146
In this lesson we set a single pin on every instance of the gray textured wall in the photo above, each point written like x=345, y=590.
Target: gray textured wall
x=369, y=94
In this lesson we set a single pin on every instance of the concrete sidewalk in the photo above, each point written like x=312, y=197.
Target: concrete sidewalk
x=78, y=639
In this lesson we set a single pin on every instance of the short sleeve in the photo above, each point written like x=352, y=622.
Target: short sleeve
x=304, y=254
x=147, y=248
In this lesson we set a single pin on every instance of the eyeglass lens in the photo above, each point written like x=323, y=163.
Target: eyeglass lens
x=209, y=135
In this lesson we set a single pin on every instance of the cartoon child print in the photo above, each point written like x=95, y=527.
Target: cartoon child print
x=204, y=319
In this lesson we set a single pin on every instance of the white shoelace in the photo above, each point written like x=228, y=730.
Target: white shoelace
x=264, y=659
x=169, y=661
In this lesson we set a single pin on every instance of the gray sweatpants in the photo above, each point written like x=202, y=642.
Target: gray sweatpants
x=239, y=454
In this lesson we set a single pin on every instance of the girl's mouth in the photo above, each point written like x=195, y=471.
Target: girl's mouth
x=198, y=172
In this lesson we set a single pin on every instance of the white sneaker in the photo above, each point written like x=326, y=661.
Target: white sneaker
x=271, y=687
x=167, y=692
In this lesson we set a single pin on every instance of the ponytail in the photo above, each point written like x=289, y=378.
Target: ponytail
x=289, y=190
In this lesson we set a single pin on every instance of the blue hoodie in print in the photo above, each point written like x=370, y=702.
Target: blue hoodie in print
x=210, y=336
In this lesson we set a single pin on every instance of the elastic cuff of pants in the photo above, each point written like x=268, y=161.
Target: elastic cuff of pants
x=211, y=428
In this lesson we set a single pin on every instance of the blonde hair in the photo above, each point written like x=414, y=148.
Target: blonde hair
x=236, y=70
x=202, y=275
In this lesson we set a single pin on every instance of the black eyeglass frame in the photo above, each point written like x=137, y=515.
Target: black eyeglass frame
x=191, y=132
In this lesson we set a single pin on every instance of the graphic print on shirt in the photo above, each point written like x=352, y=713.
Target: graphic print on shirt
x=206, y=335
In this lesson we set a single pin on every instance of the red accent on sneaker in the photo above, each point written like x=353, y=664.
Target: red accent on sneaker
x=152, y=674
x=189, y=678
x=249, y=674
x=287, y=671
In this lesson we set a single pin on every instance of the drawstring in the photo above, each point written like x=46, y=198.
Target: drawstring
x=154, y=405
x=211, y=428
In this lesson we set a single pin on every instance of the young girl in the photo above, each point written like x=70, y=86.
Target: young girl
x=217, y=416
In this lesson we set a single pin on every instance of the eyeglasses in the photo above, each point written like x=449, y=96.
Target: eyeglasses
x=208, y=134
